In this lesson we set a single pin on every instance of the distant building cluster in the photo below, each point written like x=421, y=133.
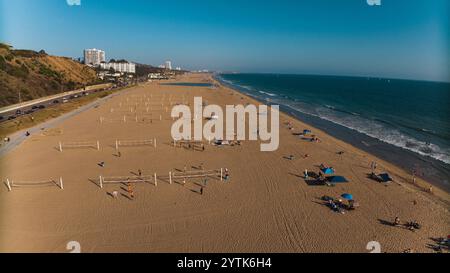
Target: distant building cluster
x=122, y=67
x=97, y=58
x=168, y=66
x=94, y=56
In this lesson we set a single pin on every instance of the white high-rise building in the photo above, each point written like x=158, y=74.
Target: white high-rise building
x=123, y=67
x=168, y=65
x=94, y=56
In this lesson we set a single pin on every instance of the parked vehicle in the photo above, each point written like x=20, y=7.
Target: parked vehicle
x=41, y=106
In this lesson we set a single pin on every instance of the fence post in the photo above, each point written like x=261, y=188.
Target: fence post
x=8, y=184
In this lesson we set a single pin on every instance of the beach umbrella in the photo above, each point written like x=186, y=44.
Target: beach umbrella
x=328, y=171
x=347, y=196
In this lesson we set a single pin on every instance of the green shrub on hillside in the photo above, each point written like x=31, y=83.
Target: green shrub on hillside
x=25, y=53
x=17, y=71
x=9, y=57
x=3, y=63
x=44, y=70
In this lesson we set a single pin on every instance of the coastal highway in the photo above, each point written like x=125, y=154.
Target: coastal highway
x=12, y=111
x=18, y=137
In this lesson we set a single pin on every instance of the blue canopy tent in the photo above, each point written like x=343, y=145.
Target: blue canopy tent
x=385, y=177
x=306, y=131
x=328, y=171
x=347, y=196
x=337, y=179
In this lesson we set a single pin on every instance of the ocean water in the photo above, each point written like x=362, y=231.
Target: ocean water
x=409, y=116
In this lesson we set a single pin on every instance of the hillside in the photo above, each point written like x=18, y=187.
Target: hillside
x=32, y=74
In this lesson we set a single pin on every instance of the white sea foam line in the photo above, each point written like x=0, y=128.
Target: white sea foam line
x=392, y=137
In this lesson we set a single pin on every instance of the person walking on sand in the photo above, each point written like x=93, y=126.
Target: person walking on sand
x=373, y=166
x=201, y=191
x=140, y=172
x=130, y=189
x=119, y=154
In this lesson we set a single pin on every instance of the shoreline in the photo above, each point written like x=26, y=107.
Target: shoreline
x=422, y=183
x=264, y=190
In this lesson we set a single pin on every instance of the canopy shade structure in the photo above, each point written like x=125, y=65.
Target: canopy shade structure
x=385, y=177
x=306, y=131
x=347, y=196
x=328, y=170
x=337, y=179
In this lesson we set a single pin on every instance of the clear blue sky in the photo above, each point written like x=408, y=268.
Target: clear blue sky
x=399, y=39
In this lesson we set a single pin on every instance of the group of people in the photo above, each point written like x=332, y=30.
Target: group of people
x=338, y=205
x=315, y=139
x=412, y=225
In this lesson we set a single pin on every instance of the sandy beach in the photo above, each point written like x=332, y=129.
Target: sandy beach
x=265, y=206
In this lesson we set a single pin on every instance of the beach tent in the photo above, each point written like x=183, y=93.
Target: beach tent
x=385, y=177
x=328, y=171
x=337, y=179
x=306, y=131
x=347, y=196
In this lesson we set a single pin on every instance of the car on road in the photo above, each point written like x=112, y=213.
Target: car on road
x=41, y=106
x=55, y=101
x=34, y=107
x=18, y=112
